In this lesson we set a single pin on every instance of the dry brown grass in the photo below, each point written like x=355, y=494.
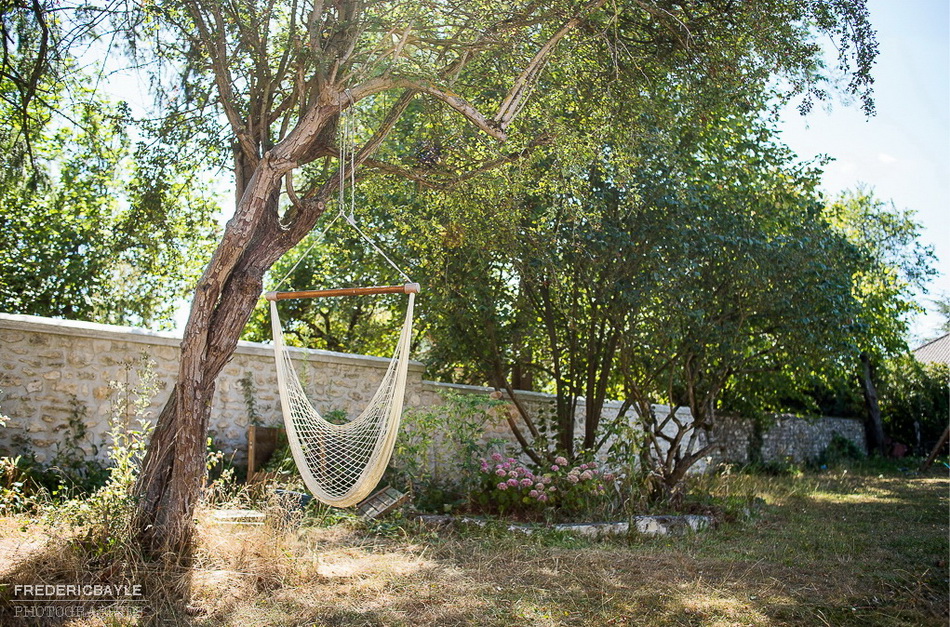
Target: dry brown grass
x=834, y=549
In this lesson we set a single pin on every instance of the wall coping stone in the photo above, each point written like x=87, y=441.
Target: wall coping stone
x=56, y=326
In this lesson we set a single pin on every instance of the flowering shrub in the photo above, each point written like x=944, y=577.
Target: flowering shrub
x=510, y=487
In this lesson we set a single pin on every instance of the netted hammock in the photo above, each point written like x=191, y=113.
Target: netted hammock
x=342, y=463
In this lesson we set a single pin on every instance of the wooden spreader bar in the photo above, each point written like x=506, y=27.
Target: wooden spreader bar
x=408, y=288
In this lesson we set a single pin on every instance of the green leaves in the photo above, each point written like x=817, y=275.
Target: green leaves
x=85, y=233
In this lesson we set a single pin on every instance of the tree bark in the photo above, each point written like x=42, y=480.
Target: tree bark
x=174, y=466
x=873, y=426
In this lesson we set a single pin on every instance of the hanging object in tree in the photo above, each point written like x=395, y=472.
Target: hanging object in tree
x=342, y=463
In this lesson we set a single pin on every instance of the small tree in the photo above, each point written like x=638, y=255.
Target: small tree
x=894, y=266
x=756, y=283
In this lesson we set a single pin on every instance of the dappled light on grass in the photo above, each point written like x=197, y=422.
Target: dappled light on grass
x=835, y=548
x=712, y=606
x=826, y=549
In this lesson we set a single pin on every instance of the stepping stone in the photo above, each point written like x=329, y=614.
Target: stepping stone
x=238, y=517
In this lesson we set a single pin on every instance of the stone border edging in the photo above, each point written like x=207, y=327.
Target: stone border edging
x=662, y=525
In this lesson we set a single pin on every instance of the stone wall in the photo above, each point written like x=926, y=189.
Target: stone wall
x=56, y=375
x=62, y=379
x=785, y=437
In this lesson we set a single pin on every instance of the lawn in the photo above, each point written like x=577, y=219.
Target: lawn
x=836, y=548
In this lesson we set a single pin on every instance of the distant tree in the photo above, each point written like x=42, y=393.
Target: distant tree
x=88, y=233
x=943, y=308
x=757, y=283
x=914, y=401
x=895, y=267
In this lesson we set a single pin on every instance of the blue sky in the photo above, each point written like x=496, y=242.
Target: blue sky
x=903, y=152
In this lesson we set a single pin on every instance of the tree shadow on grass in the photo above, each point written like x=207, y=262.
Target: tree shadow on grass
x=66, y=581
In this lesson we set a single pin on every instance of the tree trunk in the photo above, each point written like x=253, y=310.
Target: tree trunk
x=927, y=463
x=174, y=466
x=873, y=426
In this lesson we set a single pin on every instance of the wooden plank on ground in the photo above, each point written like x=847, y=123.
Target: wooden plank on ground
x=381, y=502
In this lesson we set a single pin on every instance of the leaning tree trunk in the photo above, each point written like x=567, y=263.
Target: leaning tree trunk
x=873, y=426
x=254, y=239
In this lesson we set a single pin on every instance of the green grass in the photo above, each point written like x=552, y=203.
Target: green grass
x=863, y=548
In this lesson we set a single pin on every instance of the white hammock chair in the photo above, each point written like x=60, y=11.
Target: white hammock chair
x=342, y=463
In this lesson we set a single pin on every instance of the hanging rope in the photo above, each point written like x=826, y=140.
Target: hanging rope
x=347, y=169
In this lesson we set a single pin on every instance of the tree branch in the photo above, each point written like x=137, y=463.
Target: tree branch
x=516, y=95
x=468, y=111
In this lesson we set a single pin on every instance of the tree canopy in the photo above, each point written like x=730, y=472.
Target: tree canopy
x=94, y=225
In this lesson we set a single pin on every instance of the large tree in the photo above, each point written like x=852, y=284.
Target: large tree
x=282, y=74
x=895, y=268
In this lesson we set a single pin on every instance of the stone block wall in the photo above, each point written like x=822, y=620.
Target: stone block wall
x=58, y=376
x=59, y=379
x=786, y=437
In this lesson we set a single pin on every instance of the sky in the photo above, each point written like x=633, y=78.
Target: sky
x=903, y=152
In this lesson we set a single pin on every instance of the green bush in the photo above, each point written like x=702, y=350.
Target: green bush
x=439, y=449
x=26, y=483
x=915, y=402
x=840, y=450
x=557, y=491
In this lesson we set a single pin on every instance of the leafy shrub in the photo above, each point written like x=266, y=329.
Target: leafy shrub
x=106, y=514
x=26, y=483
x=914, y=402
x=840, y=450
x=439, y=449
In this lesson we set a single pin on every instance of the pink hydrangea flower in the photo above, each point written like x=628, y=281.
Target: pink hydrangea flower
x=533, y=494
x=553, y=488
x=592, y=464
x=609, y=476
x=539, y=486
x=545, y=479
x=513, y=483
x=501, y=472
x=586, y=475
x=560, y=461
x=512, y=473
x=526, y=482
x=502, y=486
x=555, y=468
x=572, y=478
x=496, y=457
x=543, y=498
x=584, y=466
